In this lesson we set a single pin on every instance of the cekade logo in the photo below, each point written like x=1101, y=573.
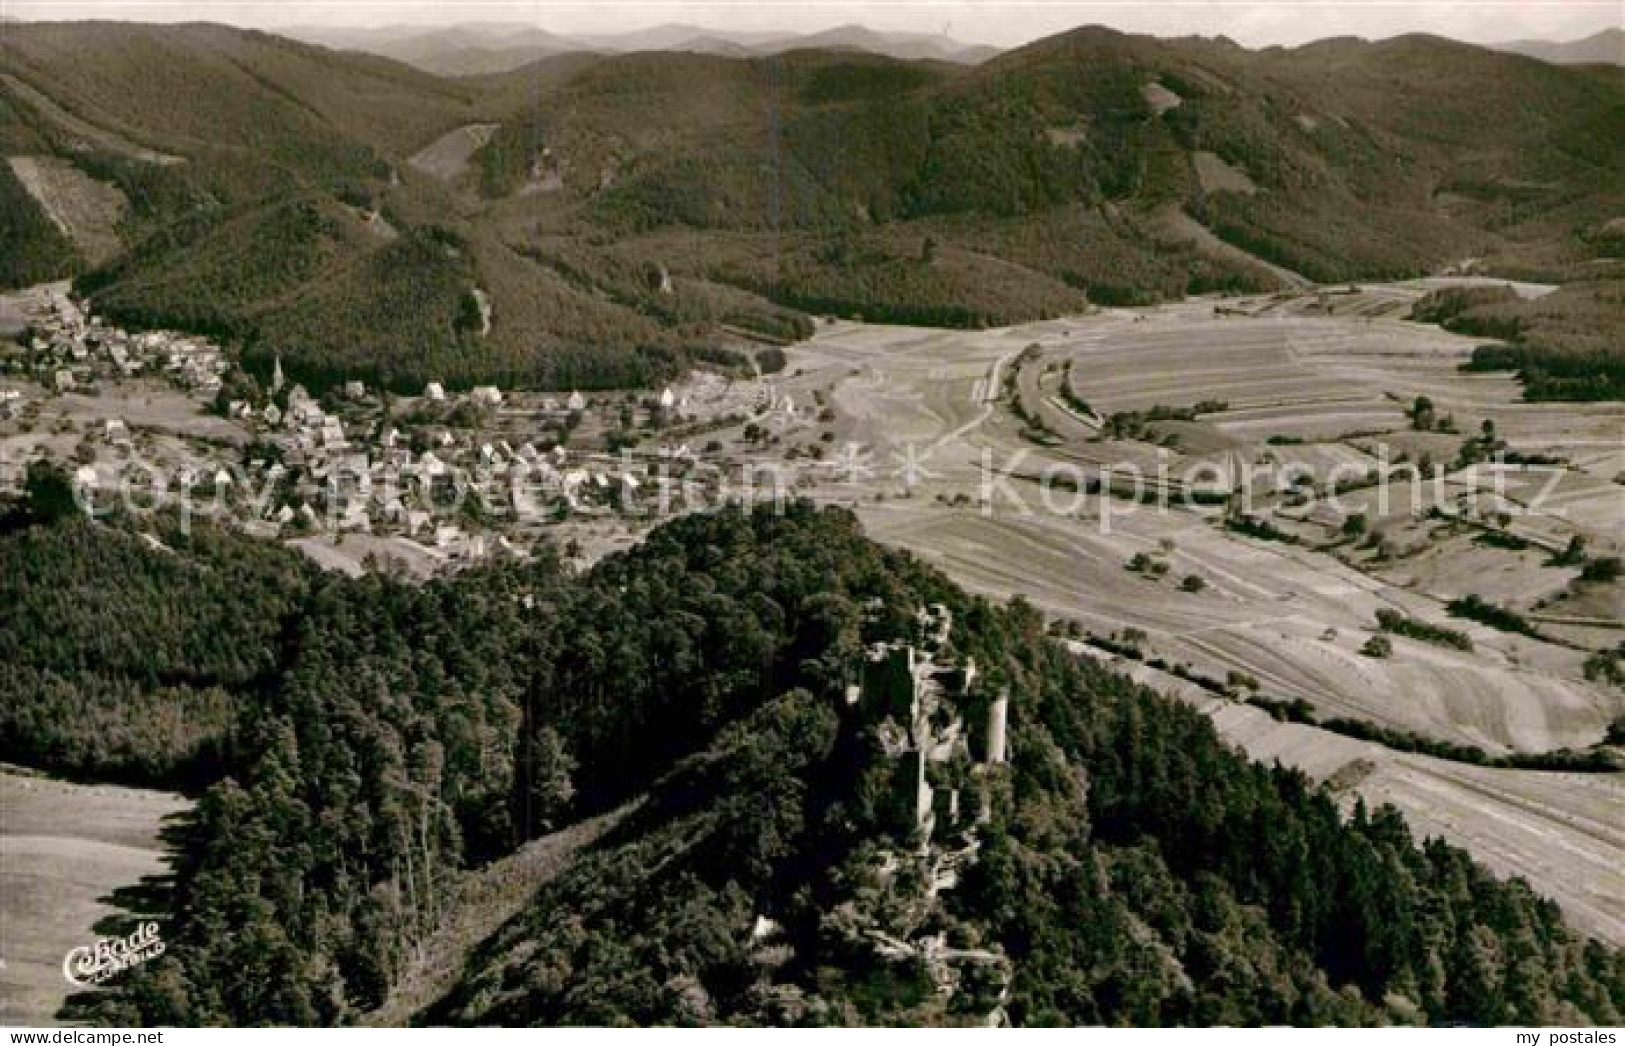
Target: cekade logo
x=90, y=965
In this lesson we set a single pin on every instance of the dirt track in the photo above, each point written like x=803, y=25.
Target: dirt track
x=486, y=899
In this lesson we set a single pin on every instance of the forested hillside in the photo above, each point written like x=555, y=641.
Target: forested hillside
x=1128, y=868
x=134, y=657
x=625, y=213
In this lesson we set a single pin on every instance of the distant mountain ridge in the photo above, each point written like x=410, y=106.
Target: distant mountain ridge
x=479, y=50
x=1604, y=48
x=624, y=215
x=448, y=51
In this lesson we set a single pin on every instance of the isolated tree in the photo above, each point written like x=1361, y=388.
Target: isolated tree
x=1573, y=553
x=552, y=787
x=1422, y=414
x=1236, y=680
x=1378, y=646
x=1603, y=570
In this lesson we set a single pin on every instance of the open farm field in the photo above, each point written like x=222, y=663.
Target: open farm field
x=58, y=872
x=448, y=156
x=1293, y=617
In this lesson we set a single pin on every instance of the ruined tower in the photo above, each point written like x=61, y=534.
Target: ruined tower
x=998, y=715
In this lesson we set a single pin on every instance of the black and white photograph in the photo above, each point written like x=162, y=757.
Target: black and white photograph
x=629, y=515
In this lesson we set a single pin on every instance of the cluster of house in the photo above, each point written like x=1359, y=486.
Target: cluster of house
x=386, y=488
x=377, y=479
x=479, y=395
x=371, y=476
x=671, y=405
x=422, y=495
x=73, y=348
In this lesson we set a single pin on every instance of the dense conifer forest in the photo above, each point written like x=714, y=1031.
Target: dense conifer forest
x=357, y=745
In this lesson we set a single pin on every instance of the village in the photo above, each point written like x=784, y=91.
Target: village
x=430, y=482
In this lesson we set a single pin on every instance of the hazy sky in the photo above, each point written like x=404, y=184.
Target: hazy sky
x=976, y=21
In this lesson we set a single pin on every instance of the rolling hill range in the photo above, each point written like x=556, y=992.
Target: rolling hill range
x=1607, y=47
x=627, y=214
x=460, y=51
x=484, y=49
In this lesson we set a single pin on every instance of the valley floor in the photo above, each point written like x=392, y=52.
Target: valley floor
x=1330, y=378
x=941, y=441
